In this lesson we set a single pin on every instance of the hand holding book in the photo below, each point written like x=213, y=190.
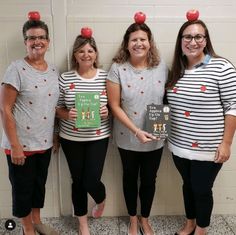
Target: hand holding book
x=104, y=112
x=144, y=136
x=72, y=114
x=158, y=120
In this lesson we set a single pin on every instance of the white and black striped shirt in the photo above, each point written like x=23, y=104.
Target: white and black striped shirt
x=71, y=83
x=199, y=101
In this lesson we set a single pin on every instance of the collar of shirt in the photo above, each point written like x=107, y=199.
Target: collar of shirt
x=204, y=62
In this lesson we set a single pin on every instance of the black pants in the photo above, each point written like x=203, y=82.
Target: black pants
x=85, y=161
x=198, y=179
x=145, y=165
x=28, y=183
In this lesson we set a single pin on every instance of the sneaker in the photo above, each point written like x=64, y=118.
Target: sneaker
x=45, y=229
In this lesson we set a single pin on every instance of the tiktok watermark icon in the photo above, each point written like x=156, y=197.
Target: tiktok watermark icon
x=10, y=225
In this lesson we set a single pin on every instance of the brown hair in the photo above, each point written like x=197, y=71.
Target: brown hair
x=180, y=62
x=80, y=42
x=34, y=24
x=123, y=53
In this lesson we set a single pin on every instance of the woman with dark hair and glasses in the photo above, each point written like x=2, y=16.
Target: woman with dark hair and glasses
x=85, y=148
x=136, y=79
x=202, y=97
x=29, y=95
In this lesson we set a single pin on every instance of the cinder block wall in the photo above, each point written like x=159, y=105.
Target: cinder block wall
x=109, y=19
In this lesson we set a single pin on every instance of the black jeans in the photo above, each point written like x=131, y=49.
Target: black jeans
x=28, y=183
x=145, y=165
x=85, y=161
x=198, y=179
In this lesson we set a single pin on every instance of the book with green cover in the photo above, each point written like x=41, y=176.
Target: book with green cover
x=88, y=109
x=158, y=120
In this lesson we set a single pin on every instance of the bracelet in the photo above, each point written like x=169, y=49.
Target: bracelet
x=136, y=133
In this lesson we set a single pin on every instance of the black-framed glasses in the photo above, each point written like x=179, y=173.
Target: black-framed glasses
x=199, y=38
x=34, y=38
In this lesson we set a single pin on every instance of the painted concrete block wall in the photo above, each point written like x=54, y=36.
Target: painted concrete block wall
x=109, y=20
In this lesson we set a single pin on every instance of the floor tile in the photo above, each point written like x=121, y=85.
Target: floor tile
x=162, y=225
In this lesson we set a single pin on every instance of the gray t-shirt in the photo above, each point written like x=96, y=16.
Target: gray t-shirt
x=138, y=89
x=34, y=109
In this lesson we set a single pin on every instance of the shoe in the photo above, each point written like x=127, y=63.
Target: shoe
x=192, y=233
x=36, y=233
x=142, y=231
x=44, y=229
x=97, y=210
x=138, y=232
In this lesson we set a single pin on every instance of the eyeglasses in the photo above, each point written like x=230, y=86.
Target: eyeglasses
x=34, y=38
x=199, y=38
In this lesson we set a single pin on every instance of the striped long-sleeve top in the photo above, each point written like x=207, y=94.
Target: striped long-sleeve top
x=70, y=83
x=199, y=102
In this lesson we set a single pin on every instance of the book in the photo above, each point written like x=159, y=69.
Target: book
x=158, y=120
x=88, y=109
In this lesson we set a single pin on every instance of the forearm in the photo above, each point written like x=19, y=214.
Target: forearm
x=229, y=130
x=119, y=113
x=62, y=113
x=9, y=127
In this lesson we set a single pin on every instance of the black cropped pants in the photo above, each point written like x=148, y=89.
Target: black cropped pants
x=198, y=179
x=143, y=165
x=28, y=183
x=85, y=161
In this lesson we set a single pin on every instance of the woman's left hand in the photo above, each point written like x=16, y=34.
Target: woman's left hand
x=104, y=112
x=223, y=153
x=144, y=136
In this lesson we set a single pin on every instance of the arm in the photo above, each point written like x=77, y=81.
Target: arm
x=64, y=113
x=223, y=151
x=227, y=92
x=8, y=96
x=113, y=92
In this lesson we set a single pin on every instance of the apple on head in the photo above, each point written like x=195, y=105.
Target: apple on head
x=192, y=15
x=86, y=32
x=139, y=17
x=34, y=15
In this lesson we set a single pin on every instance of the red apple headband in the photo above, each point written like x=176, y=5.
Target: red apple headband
x=192, y=15
x=34, y=15
x=86, y=32
x=139, y=17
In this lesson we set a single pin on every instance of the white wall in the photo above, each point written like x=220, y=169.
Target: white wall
x=109, y=20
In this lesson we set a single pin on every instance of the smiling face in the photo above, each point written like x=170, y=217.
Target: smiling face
x=85, y=56
x=138, y=45
x=36, y=42
x=192, y=45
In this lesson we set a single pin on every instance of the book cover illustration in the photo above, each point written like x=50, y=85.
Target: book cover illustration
x=88, y=106
x=158, y=120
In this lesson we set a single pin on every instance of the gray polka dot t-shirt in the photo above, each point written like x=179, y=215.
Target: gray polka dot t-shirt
x=138, y=89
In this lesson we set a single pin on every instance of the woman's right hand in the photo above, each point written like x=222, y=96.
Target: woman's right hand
x=17, y=155
x=144, y=136
x=72, y=114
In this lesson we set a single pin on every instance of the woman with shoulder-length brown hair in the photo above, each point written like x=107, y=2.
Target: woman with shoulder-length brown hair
x=84, y=148
x=136, y=79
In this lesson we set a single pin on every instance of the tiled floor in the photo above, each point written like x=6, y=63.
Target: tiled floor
x=163, y=225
